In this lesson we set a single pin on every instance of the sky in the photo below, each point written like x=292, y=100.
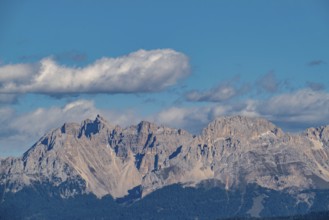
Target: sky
x=175, y=63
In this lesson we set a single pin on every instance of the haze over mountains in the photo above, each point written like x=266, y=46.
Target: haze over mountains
x=130, y=164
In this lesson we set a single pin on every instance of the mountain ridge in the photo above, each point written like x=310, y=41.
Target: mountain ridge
x=106, y=159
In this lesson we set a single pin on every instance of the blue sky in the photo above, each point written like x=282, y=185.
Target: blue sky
x=178, y=63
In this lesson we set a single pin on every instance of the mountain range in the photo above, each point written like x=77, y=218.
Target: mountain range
x=236, y=167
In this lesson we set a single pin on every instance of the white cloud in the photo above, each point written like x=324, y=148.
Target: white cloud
x=140, y=71
x=187, y=118
x=16, y=73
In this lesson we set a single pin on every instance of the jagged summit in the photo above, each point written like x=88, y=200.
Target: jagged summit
x=147, y=127
x=89, y=127
x=105, y=159
x=321, y=132
x=100, y=118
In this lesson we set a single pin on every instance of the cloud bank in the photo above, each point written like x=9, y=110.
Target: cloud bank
x=291, y=111
x=138, y=72
x=305, y=107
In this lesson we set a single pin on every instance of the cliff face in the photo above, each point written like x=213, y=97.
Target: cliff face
x=104, y=159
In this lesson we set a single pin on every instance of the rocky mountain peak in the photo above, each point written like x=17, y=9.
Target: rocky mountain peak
x=240, y=126
x=100, y=119
x=89, y=127
x=146, y=127
x=320, y=133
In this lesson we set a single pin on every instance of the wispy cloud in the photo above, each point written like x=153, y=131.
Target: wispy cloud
x=316, y=62
x=8, y=98
x=228, y=90
x=137, y=72
x=72, y=55
x=222, y=92
x=66, y=56
x=217, y=94
x=269, y=82
x=315, y=85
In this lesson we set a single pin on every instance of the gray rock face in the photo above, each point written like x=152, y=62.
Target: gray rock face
x=107, y=159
